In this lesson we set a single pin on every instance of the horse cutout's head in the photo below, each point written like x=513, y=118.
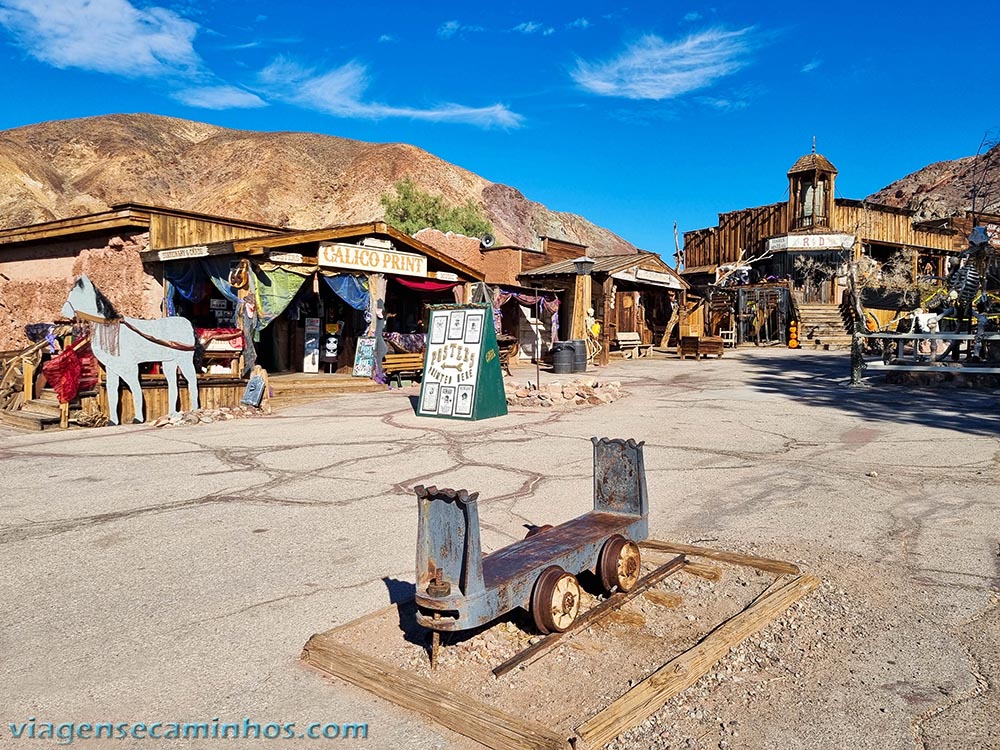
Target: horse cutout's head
x=86, y=298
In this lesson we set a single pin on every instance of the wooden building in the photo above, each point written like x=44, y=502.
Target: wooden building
x=636, y=293
x=39, y=262
x=811, y=224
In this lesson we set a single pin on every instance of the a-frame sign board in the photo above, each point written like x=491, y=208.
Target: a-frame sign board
x=462, y=378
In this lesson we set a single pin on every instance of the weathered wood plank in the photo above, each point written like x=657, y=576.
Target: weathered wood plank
x=650, y=695
x=735, y=558
x=484, y=724
x=708, y=572
x=588, y=618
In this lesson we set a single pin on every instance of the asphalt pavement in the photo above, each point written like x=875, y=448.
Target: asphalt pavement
x=174, y=574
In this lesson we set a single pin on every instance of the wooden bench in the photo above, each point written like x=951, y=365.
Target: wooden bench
x=630, y=344
x=394, y=364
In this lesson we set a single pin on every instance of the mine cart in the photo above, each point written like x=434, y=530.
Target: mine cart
x=458, y=588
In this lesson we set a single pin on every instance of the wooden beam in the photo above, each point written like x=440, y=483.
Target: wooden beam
x=735, y=558
x=73, y=227
x=450, y=708
x=663, y=598
x=650, y=695
x=588, y=618
x=708, y=572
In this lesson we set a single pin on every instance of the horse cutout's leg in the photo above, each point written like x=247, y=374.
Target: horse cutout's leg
x=112, y=386
x=191, y=376
x=135, y=385
x=170, y=371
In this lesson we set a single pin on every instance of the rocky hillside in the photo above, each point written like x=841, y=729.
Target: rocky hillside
x=60, y=169
x=946, y=187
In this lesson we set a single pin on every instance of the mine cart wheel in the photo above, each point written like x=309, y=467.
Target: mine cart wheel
x=619, y=564
x=555, y=602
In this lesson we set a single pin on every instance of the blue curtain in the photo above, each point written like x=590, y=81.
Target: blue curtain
x=218, y=273
x=185, y=279
x=352, y=289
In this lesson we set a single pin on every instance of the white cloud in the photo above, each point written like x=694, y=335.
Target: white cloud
x=339, y=92
x=448, y=29
x=528, y=27
x=219, y=97
x=692, y=16
x=107, y=36
x=726, y=105
x=652, y=68
x=386, y=38
x=549, y=31
x=580, y=23
x=810, y=66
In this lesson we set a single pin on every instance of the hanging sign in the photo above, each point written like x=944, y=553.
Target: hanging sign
x=462, y=378
x=371, y=259
x=811, y=242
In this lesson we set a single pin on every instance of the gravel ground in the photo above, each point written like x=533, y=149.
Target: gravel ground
x=177, y=573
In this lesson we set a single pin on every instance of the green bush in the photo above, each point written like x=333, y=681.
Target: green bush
x=411, y=210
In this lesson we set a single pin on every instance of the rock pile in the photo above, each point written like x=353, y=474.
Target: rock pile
x=576, y=393
x=207, y=416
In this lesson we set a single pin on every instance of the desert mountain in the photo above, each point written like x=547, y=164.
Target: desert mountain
x=946, y=187
x=60, y=169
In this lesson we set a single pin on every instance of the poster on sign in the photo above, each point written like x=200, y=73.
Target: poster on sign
x=462, y=378
x=310, y=358
x=364, y=357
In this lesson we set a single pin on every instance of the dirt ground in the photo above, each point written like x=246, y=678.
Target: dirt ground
x=180, y=571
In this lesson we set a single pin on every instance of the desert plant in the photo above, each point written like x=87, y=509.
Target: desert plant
x=411, y=209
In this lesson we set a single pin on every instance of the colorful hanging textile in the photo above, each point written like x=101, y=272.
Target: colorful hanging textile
x=550, y=303
x=273, y=290
x=352, y=289
x=428, y=285
x=187, y=280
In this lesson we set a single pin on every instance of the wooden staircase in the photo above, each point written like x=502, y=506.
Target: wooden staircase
x=821, y=327
x=34, y=415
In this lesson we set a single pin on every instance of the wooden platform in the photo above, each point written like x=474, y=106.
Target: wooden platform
x=213, y=392
x=501, y=730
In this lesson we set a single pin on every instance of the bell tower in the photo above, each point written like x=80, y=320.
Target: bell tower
x=810, y=191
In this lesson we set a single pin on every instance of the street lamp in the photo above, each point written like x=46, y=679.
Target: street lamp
x=583, y=265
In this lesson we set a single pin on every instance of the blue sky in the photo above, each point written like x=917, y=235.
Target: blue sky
x=633, y=116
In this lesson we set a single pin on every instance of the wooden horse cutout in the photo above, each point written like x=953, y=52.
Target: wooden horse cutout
x=121, y=344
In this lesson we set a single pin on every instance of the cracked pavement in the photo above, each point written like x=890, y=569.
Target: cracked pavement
x=175, y=574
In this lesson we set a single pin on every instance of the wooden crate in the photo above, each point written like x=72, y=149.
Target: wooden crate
x=700, y=346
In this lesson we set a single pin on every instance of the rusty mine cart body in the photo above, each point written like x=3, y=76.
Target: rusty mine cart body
x=458, y=588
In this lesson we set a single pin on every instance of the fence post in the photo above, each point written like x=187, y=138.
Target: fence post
x=857, y=355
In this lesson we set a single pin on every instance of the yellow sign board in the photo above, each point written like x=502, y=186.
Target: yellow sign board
x=371, y=259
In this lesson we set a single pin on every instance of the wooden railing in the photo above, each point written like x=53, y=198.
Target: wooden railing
x=955, y=358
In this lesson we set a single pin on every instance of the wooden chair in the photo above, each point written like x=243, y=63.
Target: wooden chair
x=728, y=337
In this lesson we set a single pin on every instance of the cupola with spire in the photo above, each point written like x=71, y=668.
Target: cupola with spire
x=810, y=191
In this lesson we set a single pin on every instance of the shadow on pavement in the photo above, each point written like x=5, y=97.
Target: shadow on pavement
x=825, y=381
